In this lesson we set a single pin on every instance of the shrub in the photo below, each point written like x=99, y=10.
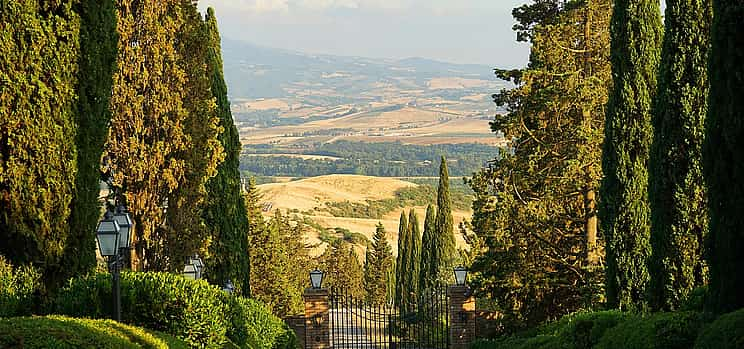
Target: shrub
x=63, y=332
x=192, y=310
x=18, y=289
x=660, y=330
x=727, y=332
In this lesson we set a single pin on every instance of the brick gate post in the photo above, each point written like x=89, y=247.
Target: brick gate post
x=461, y=316
x=317, y=327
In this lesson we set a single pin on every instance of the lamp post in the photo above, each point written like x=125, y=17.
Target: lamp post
x=316, y=279
x=193, y=268
x=229, y=287
x=461, y=275
x=113, y=233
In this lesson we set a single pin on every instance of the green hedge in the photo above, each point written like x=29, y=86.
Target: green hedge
x=727, y=332
x=18, y=289
x=63, y=332
x=200, y=314
x=655, y=331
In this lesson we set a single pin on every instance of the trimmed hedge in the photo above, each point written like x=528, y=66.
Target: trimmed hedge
x=64, y=332
x=18, y=289
x=655, y=331
x=200, y=314
x=727, y=332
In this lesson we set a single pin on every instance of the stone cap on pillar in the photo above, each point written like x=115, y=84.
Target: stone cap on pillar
x=463, y=291
x=317, y=292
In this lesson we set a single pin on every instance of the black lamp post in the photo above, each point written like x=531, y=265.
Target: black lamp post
x=316, y=279
x=113, y=233
x=461, y=275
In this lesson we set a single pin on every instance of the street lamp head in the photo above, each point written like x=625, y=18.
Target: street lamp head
x=189, y=271
x=125, y=228
x=108, y=236
x=461, y=275
x=229, y=287
x=197, y=261
x=316, y=279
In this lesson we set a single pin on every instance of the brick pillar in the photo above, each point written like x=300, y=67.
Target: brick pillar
x=462, y=316
x=316, y=319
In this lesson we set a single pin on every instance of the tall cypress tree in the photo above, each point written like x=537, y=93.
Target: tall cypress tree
x=679, y=221
x=377, y=268
x=444, y=234
x=428, y=267
x=225, y=214
x=401, y=262
x=414, y=257
x=38, y=156
x=722, y=149
x=635, y=33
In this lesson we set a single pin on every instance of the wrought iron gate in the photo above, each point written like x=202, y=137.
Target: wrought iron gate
x=355, y=323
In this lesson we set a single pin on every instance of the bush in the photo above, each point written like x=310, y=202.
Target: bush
x=660, y=330
x=199, y=313
x=727, y=332
x=18, y=289
x=63, y=332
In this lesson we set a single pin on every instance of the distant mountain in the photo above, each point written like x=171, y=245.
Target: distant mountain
x=255, y=72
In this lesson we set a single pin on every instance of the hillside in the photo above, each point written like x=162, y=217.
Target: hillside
x=310, y=199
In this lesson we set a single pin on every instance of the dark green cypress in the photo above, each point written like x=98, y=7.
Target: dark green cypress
x=677, y=194
x=414, y=257
x=401, y=266
x=624, y=212
x=38, y=115
x=722, y=153
x=428, y=268
x=444, y=233
x=225, y=213
x=377, y=266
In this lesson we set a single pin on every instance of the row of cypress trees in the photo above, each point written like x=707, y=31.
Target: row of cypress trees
x=135, y=83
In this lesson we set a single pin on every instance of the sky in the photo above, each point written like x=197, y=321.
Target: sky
x=456, y=31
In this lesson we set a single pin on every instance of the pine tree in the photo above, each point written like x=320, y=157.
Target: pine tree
x=677, y=194
x=722, y=148
x=377, y=268
x=342, y=268
x=401, y=266
x=534, y=218
x=414, y=258
x=225, y=214
x=427, y=273
x=38, y=155
x=636, y=33
x=444, y=235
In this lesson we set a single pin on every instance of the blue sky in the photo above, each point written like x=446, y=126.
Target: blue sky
x=458, y=31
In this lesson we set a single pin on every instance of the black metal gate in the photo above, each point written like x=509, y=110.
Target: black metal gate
x=356, y=323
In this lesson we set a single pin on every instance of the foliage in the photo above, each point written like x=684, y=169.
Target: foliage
x=534, y=209
x=38, y=115
x=193, y=311
x=18, y=289
x=636, y=32
x=413, y=256
x=377, y=268
x=677, y=193
x=444, y=254
x=722, y=165
x=659, y=330
x=70, y=333
x=279, y=261
x=384, y=159
x=401, y=262
x=342, y=269
x=427, y=276
x=225, y=212
x=726, y=332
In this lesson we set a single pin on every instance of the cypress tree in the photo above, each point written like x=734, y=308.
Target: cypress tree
x=225, y=213
x=444, y=234
x=401, y=262
x=722, y=149
x=377, y=268
x=676, y=188
x=414, y=257
x=635, y=34
x=428, y=267
x=38, y=114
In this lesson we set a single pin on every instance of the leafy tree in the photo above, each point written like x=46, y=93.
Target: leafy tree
x=225, y=213
x=677, y=194
x=401, y=262
x=635, y=33
x=534, y=210
x=377, y=268
x=38, y=116
x=428, y=278
x=342, y=269
x=722, y=148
